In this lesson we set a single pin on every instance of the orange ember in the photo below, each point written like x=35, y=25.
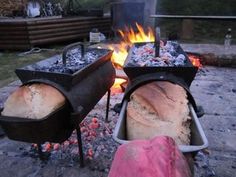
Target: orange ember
x=195, y=60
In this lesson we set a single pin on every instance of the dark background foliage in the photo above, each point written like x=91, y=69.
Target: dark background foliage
x=202, y=31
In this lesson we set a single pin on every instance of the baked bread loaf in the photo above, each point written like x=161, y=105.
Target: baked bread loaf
x=33, y=101
x=159, y=108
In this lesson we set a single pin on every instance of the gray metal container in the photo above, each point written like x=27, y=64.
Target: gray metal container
x=198, y=137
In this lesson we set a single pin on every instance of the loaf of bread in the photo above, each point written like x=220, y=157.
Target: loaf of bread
x=159, y=108
x=33, y=101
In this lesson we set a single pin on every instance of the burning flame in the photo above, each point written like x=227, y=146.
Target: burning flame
x=128, y=38
x=131, y=37
x=195, y=60
x=119, y=55
x=116, y=88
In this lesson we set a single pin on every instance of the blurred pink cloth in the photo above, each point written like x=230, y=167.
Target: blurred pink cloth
x=158, y=157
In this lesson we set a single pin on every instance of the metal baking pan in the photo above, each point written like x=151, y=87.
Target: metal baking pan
x=55, y=127
x=198, y=138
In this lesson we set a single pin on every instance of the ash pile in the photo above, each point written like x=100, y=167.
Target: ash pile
x=144, y=55
x=76, y=59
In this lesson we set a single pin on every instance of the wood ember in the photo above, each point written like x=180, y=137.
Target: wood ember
x=145, y=55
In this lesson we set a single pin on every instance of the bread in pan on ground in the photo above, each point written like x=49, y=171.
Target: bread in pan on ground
x=33, y=101
x=159, y=108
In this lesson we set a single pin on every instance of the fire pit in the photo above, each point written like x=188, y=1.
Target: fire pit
x=83, y=86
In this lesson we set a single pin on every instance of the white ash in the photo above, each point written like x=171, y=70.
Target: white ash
x=74, y=61
x=145, y=56
x=74, y=57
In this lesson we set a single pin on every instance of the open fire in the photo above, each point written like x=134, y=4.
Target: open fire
x=195, y=60
x=129, y=37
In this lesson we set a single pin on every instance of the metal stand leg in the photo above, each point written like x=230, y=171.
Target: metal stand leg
x=80, y=146
x=108, y=103
x=41, y=156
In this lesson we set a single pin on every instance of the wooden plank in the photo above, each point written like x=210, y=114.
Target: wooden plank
x=13, y=33
x=10, y=41
x=14, y=23
x=59, y=38
x=13, y=37
x=58, y=25
x=22, y=19
x=67, y=20
x=16, y=28
x=62, y=33
x=22, y=35
x=78, y=27
x=15, y=46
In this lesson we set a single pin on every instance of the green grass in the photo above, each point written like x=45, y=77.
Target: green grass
x=9, y=61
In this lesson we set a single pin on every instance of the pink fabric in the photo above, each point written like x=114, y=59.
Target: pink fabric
x=158, y=157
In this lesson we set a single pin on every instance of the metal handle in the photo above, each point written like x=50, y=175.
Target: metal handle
x=157, y=42
x=70, y=47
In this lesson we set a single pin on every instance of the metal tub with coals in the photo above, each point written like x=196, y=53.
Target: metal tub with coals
x=185, y=73
x=59, y=73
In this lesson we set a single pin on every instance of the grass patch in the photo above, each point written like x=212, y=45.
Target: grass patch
x=9, y=61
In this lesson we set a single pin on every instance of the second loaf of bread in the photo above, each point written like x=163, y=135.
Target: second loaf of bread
x=159, y=108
